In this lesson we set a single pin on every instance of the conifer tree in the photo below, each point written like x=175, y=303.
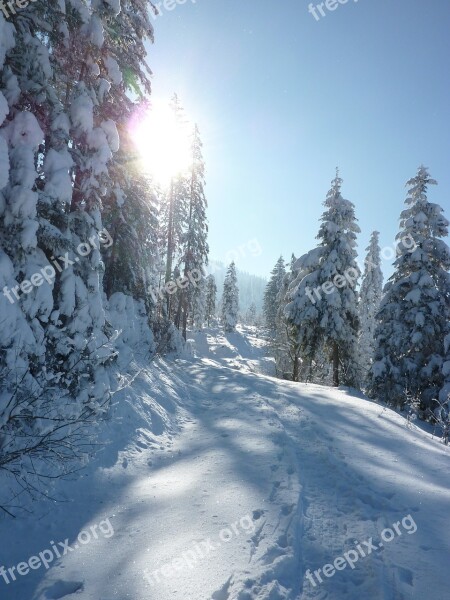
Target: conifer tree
x=65, y=70
x=323, y=299
x=251, y=316
x=211, y=293
x=130, y=216
x=369, y=304
x=270, y=295
x=284, y=344
x=230, y=300
x=195, y=247
x=174, y=211
x=415, y=310
x=199, y=304
x=443, y=401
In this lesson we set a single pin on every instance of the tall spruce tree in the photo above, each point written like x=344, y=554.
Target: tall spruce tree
x=369, y=303
x=323, y=305
x=131, y=217
x=195, y=247
x=211, y=293
x=230, y=300
x=284, y=345
x=251, y=316
x=174, y=211
x=199, y=304
x=45, y=159
x=64, y=76
x=270, y=295
x=444, y=394
x=415, y=310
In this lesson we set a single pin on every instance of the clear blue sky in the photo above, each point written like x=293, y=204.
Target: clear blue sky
x=282, y=99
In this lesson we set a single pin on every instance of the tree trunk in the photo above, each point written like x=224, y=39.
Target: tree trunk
x=169, y=246
x=295, y=372
x=109, y=279
x=335, y=365
x=184, y=295
x=185, y=315
x=178, y=315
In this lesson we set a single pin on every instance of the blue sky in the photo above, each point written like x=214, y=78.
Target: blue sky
x=282, y=99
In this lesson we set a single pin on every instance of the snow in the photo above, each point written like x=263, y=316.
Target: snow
x=110, y=129
x=4, y=163
x=103, y=88
x=61, y=122
x=114, y=72
x=24, y=130
x=11, y=90
x=414, y=296
x=56, y=167
x=95, y=31
x=97, y=140
x=6, y=38
x=81, y=112
x=4, y=108
x=309, y=260
x=268, y=477
x=115, y=6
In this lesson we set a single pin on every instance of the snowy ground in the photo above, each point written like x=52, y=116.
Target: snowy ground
x=223, y=483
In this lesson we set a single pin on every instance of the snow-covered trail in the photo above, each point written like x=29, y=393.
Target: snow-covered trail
x=331, y=470
x=265, y=480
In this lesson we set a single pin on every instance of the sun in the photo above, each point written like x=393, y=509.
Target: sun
x=163, y=142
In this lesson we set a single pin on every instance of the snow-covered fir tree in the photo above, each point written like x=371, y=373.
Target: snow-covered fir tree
x=210, y=303
x=131, y=218
x=130, y=206
x=195, y=246
x=284, y=345
x=251, y=315
x=174, y=210
x=273, y=287
x=62, y=91
x=230, y=300
x=369, y=303
x=415, y=310
x=199, y=304
x=445, y=391
x=323, y=305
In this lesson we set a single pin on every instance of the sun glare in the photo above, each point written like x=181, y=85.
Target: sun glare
x=162, y=142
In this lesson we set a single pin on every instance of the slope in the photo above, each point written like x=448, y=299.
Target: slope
x=255, y=482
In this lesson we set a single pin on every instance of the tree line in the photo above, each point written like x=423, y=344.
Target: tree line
x=332, y=322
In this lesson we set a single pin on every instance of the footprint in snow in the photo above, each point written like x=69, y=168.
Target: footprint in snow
x=287, y=509
x=405, y=575
x=222, y=593
x=61, y=588
x=257, y=514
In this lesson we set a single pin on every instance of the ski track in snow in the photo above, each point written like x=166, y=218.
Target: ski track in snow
x=316, y=470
